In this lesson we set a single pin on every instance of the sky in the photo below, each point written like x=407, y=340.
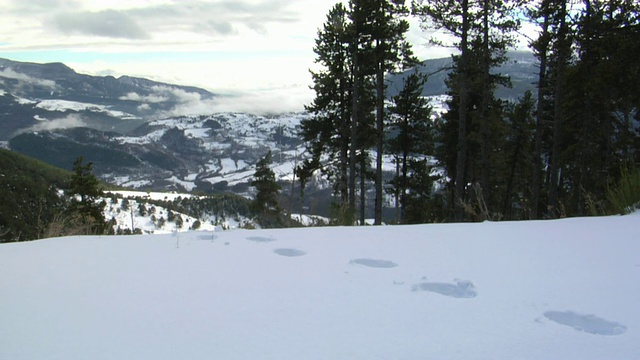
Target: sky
x=259, y=51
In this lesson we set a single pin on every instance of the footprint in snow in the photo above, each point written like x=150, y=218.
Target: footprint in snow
x=588, y=323
x=260, y=239
x=207, y=237
x=374, y=263
x=462, y=289
x=289, y=252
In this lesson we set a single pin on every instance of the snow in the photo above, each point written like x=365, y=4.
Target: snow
x=23, y=101
x=564, y=289
x=152, y=195
x=198, y=133
x=151, y=137
x=188, y=185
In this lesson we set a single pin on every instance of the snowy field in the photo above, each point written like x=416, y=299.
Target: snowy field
x=566, y=289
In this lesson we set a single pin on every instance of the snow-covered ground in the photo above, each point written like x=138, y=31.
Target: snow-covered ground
x=566, y=289
x=155, y=218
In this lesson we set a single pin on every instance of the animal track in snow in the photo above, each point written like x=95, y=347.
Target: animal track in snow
x=462, y=289
x=588, y=323
x=374, y=263
x=260, y=239
x=289, y=252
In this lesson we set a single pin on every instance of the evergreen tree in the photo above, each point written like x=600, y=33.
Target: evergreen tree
x=540, y=14
x=456, y=18
x=561, y=57
x=85, y=191
x=410, y=140
x=518, y=149
x=600, y=87
x=589, y=94
x=265, y=205
x=483, y=30
x=418, y=202
x=357, y=46
x=384, y=29
x=329, y=132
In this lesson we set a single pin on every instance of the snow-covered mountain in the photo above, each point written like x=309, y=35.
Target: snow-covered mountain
x=565, y=289
x=37, y=97
x=205, y=153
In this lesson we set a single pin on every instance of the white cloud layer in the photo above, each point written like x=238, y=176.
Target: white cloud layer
x=151, y=99
x=70, y=121
x=12, y=74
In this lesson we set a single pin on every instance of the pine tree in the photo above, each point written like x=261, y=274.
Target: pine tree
x=418, y=204
x=85, y=191
x=518, y=149
x=483, y=30
x=561, y=56
x=265, y=205
x=384, y=29
x=456, y=18
x=411, y=141
x=328, y=133
x=540, y=14
x=356, y=47
x=600, y=86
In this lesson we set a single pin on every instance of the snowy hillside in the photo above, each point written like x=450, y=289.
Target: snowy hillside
x=230, y=145
x=160, y=213
x=566, y=289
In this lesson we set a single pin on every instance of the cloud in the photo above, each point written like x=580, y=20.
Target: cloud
x=152, y=99
x=178, y=95
x=11, y=74
x=262, y=102
x=105, y=23
x=220, y=27
x=34, y=7
x=70, y=121
x=226, y=17
x=265, y=102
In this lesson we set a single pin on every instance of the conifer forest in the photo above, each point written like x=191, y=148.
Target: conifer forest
x=560, y=150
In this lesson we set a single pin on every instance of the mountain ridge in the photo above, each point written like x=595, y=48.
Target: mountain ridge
x=27, y=91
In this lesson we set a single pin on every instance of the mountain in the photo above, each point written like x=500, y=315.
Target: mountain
x=50, y=96
x=521, y=67
x=183, y=153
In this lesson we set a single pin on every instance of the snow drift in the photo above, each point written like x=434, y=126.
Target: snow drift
x=566, y=289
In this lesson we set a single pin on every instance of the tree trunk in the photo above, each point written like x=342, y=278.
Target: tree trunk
x=380, y=138
x=363, y=190
x=486, y=99
x=540, y=116
x=461, y=156
x=355, y=105
x=558, y=117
